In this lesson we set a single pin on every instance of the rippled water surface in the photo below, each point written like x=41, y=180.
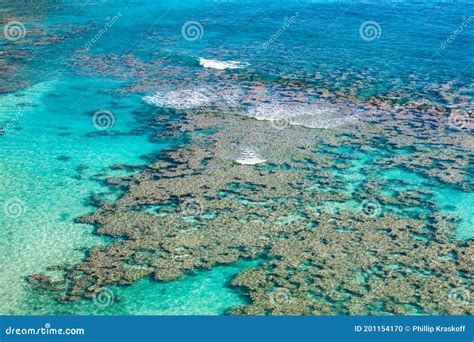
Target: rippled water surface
x=82, y=84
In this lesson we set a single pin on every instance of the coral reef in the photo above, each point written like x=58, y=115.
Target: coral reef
x=195, y=208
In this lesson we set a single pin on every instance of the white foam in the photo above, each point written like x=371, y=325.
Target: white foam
x=281, y=111
x=249, y=157
x=221, y=65
x=181, y=99
x=311, y=115
x=214, y=96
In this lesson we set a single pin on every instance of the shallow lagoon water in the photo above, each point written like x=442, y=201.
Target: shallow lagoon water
x=51, y=165
x=41, y=159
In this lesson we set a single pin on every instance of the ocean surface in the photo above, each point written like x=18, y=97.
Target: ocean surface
x=67, y=63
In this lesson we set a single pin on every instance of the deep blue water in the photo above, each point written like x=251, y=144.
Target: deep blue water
x=52, y=157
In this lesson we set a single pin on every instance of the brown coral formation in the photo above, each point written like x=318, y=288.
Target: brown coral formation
x=196, y=207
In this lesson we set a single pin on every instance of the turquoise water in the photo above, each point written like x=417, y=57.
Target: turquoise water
x=50, y=164
x=53, y=158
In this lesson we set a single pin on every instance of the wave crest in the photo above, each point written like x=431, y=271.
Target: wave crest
x=221, y=65
x=249, y=157
x=196, y=98
x=311, y=115
x=180, y=99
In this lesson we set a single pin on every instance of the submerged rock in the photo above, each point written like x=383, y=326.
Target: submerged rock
x=333, y=240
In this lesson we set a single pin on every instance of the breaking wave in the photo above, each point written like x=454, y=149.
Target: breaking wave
x=221, y=65
x=311, y=115
x=195, y=98
x=249, y=157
